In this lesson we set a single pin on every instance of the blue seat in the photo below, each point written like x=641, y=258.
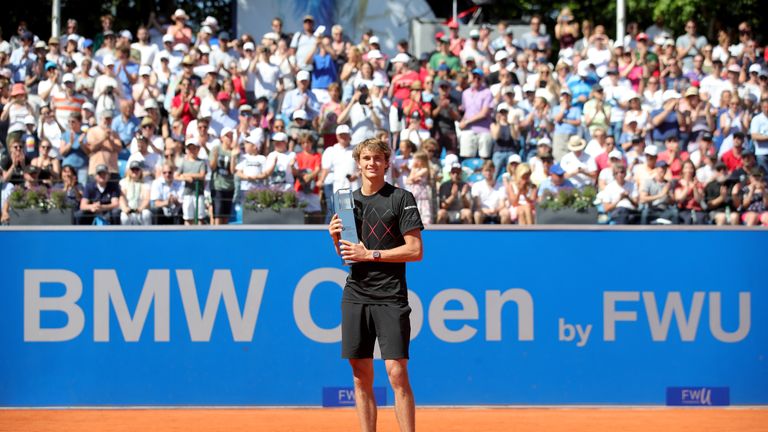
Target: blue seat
x=474, y=164
x=124, y=154
x=475, y=177
x=121, y=165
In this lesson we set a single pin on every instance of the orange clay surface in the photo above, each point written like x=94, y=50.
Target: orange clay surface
x=428, y=420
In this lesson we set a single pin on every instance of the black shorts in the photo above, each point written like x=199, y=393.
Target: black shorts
x=361, y=324
x=222, y=202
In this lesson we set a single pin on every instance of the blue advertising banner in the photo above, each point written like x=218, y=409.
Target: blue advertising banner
x=252, y=317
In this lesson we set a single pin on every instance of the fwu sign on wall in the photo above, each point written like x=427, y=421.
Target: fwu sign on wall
x=507, y=317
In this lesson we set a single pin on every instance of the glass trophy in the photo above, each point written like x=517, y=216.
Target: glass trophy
x=345, y=208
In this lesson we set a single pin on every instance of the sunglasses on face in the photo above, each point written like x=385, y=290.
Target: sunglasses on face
x=167, y=172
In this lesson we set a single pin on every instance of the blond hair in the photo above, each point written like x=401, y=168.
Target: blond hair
x=522, y=170
x=423, y=157
x=374, y=145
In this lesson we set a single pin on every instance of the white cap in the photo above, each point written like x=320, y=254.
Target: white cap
x=302, y=75
x=180, y=47
x=255, y=137
x=279, y=136
x=618, y=44
x=211, y=21
x=660, y=39
x=68, y=77
x=379, y=82
x=89, y=106
x=566, y=90
x=204, y=49
x=544, y=141
x=502, y=107
x=755, y=68
x=126, y=34
x=514, y=158
x=204, y=112
x=108, y=61
x=583, y=68
x=529, y=87
x=543, y=93
x=206, y=69
x=374, y=54
x=343, y=129
x=29, y=120
x=450, y=159
x=374, y=40
x=206, y=29
x=225, y=130
x=167, y=38
x=271, y=36
x=669, y=42
x=151, y=104
x=500, y=55
x=299, y=114
x=669, y=95
x=474, y=33
x=164, y=55
x=651, y=150
x=180, y=13
x=615, y=154
x=629, y=95
x=145, y=70
x=734, y=68
x=249, y=46
x=401, y=58
x=16, y=127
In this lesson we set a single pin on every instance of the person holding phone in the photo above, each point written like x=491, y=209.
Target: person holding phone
x=375, y=300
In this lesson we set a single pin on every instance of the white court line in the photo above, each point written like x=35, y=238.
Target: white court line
x=312, y=407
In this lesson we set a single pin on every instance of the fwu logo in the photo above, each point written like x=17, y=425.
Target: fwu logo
x=698, y=396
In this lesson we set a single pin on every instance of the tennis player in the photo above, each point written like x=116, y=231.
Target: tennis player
x=375, y=300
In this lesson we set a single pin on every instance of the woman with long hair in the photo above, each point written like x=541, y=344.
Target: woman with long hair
x=689, y=194
x=50, y=167
x=522, y=195
x=418, y=183
x=134, y=197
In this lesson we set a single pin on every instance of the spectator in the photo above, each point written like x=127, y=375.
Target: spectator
x=192, y=171
x=418, y=183
x=567, y=120
x=134, y=197
x=689, y=44
x=165, y=197
x=754, y=200
x=579, y=167
x=102, y=147
x=301, y=98
x=475, y=134
x=455, y=199
x=674, y=157
x=30, y=139
x=522, y=196
x=49, y=168
x=125, y=124
x=322, y=59
x=362, y=118
x=606, y=175
x=18, y=108
x=489, y=198
x=620, y=198
x=443, y=55
x=402, y=79
x=308, y=165
x=505, y=137
x=718, y=196
x=689, y=195
x=538, y=161
x=341, y=163
x=299, y=126
x=668, y=120
x=445, y=113
x=330, y=111
x=179, y=30
x=281, y=163
x=303, y=42
x=223, y=162
x=758, y=128
x=656, y=195
x=71, y=188
x=535, y=38
x=101, y=199
x=554, y=183
x=732, y=158
x=144, y=90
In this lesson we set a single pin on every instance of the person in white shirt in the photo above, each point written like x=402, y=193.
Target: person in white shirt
x=620, y=198
x=281, y=163
x=341, y=163
x=490, y=198
x=147, y=49
x=606, y=175
x=580, y=168
x=164, y=197
x=250, y=168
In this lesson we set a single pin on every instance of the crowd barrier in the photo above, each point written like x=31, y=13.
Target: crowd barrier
x=158, y=317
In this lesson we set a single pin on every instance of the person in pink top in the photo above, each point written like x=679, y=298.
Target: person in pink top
x=475, y=125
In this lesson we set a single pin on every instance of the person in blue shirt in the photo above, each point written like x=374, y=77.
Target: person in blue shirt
x=567, y=119
x=126, y=124
x=552, y=185
x=72, y=148
x=667, y=119
x=300, y=98
x=323, y=61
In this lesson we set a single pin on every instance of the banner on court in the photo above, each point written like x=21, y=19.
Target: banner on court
x=499, y=317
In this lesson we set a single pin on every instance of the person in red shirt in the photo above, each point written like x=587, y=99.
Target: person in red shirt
x=603, y=159
x=673, y=157
x=308, y=163
x=732, y=158
x=415, y=103
x=185, y=104
x=402, y=80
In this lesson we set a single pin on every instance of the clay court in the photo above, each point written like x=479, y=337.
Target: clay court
x=428, y=420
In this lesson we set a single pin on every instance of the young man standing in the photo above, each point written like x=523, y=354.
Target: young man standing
x=375, y=301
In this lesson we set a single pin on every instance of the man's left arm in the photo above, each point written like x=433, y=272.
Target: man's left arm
x=412, y=250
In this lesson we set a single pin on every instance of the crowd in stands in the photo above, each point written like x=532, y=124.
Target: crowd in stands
x=175, y=123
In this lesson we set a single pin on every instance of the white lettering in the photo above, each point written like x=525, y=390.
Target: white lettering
x=301, y=301
x=715, y=318
x=688, y=326
x=201, y=324
x=494, y=304
x=34, y=304
x=106, y=290
x=438, y=315
x=611, y=315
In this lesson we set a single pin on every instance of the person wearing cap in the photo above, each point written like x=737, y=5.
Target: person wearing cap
x=455, y=199
x=443, y=55
x=718, y=196
x=668, y=120
x=566, y=119
x=337, y=167
x=192, y=171
x=620, y=197
x=280, y=168
x=251, y=165
x=19, y=107
x=179, y=30
x=606, y=174
x=489, y=198
x=144, y=90
x=402, y=78
x=147, y=131
x=147, y=149
x=579, y=167
x=223, y=165
x=134, y=196
x=506, y=137
x=300, y=98
x=359, y=113
x=555, y=182
x=67, y=100
x=50, y=83
x=475, y=133
x=106, y=90
x=597, y=113
x=165, y=197
x=300, y=125
x=758, y=129
x=656, y=200
x=101, y=198
x=303, y=42
x=472, y=50
x=445, y=112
